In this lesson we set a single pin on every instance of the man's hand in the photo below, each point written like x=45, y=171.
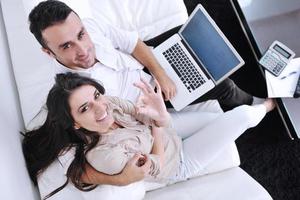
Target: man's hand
x=133, y=172
x=145, y=56
x=167, y=86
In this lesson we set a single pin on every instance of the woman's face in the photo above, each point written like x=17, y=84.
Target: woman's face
x=89, y=109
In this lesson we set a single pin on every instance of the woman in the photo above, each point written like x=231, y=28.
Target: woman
x=108, y=131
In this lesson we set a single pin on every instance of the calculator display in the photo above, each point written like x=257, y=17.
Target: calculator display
x=282, y=51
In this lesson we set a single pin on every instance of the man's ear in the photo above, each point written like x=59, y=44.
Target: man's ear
x=48, y=52
x=76, y=126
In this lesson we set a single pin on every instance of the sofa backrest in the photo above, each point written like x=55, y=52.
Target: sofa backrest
x=14, y=179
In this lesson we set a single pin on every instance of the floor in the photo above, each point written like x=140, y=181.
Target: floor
x=266, y=151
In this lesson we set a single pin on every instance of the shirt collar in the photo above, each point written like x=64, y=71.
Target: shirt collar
x=106, y=56
x=83, y=72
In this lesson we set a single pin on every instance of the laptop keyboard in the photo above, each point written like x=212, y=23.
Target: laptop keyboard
x=184, y=68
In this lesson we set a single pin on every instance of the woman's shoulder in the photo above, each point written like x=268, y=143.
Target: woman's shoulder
x=112, y=99
x=119, y=103
x=116, y=100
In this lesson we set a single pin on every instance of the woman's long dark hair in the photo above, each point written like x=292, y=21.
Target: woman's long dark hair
x=42, y=146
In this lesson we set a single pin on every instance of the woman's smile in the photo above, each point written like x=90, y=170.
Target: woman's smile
x=102, y=118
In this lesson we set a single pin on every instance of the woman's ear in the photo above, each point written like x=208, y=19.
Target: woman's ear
x=76, y=126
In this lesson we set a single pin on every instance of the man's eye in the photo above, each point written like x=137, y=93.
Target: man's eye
x=66, y=46
x=97, y=95
x=80, y=36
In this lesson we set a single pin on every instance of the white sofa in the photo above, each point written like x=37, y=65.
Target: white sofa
x=232, y=183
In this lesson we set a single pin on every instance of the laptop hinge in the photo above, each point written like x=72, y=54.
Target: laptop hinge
x=197, y=60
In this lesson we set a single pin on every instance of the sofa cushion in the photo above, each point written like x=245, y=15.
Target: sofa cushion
x=231, y=184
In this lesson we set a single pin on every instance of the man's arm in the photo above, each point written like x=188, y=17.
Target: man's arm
x=131, y=173
x=144, y=55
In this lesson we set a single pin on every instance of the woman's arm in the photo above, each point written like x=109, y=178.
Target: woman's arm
x=131, y=173
x=158, y=145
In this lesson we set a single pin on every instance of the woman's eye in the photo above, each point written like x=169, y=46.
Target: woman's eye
x=85, y=108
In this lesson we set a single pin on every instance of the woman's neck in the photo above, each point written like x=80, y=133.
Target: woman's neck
x=114, y=126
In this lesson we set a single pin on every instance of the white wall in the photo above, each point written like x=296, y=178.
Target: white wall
x=259, y=9
x=14, y=180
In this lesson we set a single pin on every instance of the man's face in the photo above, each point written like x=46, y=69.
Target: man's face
x=69, y=43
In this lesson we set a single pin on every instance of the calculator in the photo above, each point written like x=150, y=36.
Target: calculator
x=276, y=58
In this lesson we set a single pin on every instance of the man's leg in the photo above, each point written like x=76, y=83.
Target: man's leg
x=228, y=94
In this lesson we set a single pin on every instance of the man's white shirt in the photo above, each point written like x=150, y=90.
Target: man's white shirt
x=116, y=70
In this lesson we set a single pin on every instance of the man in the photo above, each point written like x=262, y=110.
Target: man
x=114, y=57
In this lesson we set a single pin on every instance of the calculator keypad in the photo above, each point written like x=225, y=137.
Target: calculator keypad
x=273, y=64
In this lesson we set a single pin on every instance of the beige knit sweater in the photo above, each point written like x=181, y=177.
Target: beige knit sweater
x=115, y=148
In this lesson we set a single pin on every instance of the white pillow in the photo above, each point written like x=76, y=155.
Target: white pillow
x=54, y=177
x=149, y=18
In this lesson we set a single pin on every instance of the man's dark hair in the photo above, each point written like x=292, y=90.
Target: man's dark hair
x=45, y=14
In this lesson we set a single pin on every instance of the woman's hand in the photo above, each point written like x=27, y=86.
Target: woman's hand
x=136, y=169
x=151, y=103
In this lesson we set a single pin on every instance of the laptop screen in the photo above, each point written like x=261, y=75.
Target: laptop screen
x=209, y=46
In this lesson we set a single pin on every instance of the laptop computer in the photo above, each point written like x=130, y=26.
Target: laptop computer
x=197, y=58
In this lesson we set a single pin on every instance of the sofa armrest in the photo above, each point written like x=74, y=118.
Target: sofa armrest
x=231, y=184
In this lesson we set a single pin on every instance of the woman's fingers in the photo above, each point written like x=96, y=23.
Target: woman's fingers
x=148, y=87
x=142, y=87
x=157, y=87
